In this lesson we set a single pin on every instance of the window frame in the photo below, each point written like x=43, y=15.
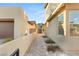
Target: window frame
x=62, y=14
x=69, y=12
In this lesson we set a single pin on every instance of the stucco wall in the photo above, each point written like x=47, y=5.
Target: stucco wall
x=52, y=29
x=70, y=44
x=67, y=43
x=23, y=43
x=17, y=14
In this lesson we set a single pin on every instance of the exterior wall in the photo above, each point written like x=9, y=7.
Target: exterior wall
x=40, y=27
x=65, y=42
x=23, y=44
x=17, y=14
x=72, y=6
x=32, y=28
x=52, y=30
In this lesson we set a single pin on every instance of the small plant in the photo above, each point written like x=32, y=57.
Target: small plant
x=44, y=36
x=50, y=48
x=49, y=41
x=7, y=40
x=53, y=48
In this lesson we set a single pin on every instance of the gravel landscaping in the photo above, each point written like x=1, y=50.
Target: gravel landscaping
x=40, y=48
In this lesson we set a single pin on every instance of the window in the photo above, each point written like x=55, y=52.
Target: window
x=60, y=25
x=74, y=22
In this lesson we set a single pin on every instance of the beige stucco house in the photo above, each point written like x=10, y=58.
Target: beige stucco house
x=40, y=28
x=62, y=25
x=13, y=22
x=32, y=26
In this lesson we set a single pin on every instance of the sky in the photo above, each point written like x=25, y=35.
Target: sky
x=35, y=11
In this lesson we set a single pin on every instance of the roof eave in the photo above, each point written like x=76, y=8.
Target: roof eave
x=56, y=10
x=45, y=5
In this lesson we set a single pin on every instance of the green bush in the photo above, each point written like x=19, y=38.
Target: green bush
x=7, y=40
x=53, y=48
x=49, y=41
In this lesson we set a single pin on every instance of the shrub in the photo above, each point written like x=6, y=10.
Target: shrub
x=44, y=36
x=53, y=48
x=49, y=41
x=50, y=48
